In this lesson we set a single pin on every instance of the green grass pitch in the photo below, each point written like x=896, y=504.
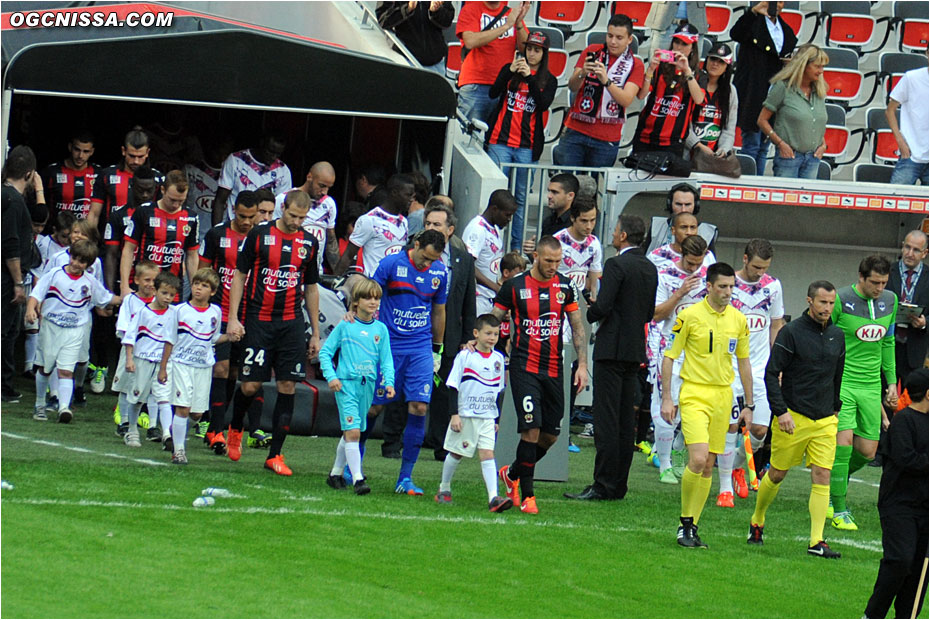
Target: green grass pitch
x=96, y=529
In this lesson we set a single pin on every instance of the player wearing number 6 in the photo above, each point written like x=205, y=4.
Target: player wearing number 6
x=275, y=266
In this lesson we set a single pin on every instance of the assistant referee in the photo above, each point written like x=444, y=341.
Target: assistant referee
x=809, y=353
x=709, y=333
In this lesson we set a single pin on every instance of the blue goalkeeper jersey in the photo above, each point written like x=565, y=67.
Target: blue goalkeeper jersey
x=363, y=349
x=409, y=295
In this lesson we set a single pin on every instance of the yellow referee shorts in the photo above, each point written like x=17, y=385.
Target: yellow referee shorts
x=705, y=414
x=815, y=438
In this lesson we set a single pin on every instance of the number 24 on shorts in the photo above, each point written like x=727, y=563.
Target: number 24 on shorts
x=251, y=357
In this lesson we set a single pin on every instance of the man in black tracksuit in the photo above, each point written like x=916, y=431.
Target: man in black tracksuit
x=903, y=507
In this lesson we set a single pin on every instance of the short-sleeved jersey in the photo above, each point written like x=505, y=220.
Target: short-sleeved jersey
x=198, y=329
x=242, y=171
x=665, y=255
x=761, y=302
x=707, y=122
x=149, y=331
x=130, y=307
x=479, y=378
x=220, y=247
x=539, y=310
x=485, y=242
x=67, y=189
x=161, y=237
x=202, y=183
x=112, y=188
x=409, y=296
x=579, y=257
x=68, y=299
x=364, y=349
x=868, y=325
x=670, y=280
x=379, y=234
x=114, y=233
x=63, y=257
x=709, y=340
x=48, y=248
x=666, y=115
x=320, y=218
x=279, y=265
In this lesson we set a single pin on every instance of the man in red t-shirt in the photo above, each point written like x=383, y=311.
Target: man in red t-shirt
x=490, y=31
x=606, y=79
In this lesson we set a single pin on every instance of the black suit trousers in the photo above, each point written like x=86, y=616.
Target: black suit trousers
x=615, y=391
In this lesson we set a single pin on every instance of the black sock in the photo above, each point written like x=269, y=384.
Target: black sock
x=255, y=410
x=218, y=405
x=241, y=404
x=524, y=466
x=540, y=452
x=230, y=388
x=283, y=410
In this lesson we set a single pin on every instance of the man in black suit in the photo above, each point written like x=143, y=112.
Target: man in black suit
x=908, y=280
x=624, y=306
x=766, y=41
x=460, y=318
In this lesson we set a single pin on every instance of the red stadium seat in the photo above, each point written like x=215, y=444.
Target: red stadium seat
x=559, y=65
x=560, y=13
x=718, y=19
x=794, y=19
x=843, y=29
x=836, y=138
x=884, y=146
x=915, y=34
x=842, y=84
x=636, y=11
x=453, y=59
x=738, y=140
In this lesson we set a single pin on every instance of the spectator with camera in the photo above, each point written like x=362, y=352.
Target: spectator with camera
x=419, y=26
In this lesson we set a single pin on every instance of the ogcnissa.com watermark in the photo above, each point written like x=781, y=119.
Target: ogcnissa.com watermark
x=99, y=19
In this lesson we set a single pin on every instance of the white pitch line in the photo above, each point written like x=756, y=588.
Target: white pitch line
x=870, y=545
x=55, y=444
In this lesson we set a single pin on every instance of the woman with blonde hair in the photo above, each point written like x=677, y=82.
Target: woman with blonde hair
x=797, y=99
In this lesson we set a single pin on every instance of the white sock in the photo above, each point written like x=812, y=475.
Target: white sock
x=65, y=390
x=124, y=407
x=339, y=464
x=134, y=409
x=164, y=416
x=153, y=411
x=179, y=432
x=725, y=463
x=354, y=460
x=32, y=341
x=80, y=373
x=448, y=470
x=756, y=442
x=53, y=383
x=41, y=388
x=664, y=435
x=489, y=472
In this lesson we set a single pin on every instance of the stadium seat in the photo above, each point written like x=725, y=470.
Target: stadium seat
x=884, y=146
x=719, y=17
x=837, y=134
x=567, y=16
x=824, y=172
x=911, y=20
x=844, y=80
x=872, y=173
x=793, y=17
x=600, y=36
x=738, y=139
x=637, y=12
x=848, y=23
x=554, y=119
x=453, y=60
x=893, y=65
x=558, y=56
x=747, y=164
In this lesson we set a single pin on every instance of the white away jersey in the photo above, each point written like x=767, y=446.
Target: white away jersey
x=48, y=248
x=198, y=329
x=242, y=171
x=67, y=299
x=130, y=307
x=202, y=183
x=579, y=257
x=380, y=234
x=670, y=280
x=149, y=330
x=761, y=302
x=663, y=256
x=485, y=242
x=63, y=257
x=320, y=217
x=478, y=377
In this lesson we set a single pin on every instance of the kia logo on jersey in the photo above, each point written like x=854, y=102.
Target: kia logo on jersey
x=870, y=333
x=756, y=322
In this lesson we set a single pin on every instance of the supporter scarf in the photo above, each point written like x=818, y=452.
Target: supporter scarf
x=591, y=105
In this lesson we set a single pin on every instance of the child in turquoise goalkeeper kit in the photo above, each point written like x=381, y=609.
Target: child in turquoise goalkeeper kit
x=363, y=346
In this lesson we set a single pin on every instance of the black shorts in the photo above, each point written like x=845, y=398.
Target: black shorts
x=278, y=345
x=231, y=351
x=539, y=401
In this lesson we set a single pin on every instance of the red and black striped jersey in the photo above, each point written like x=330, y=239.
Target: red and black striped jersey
x=539, y=310
x=516, y=122
x=115, y=230
x=220, y=248
x=113, y=186
x=278, y=265
x=67, y=189
x=707, y=120
x=666, y=115
x=161, y=237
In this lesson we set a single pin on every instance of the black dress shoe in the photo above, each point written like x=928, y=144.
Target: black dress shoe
x=390, y=454
x=589, y=493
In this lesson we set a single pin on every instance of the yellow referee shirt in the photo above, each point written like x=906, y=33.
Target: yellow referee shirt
x=709, y=340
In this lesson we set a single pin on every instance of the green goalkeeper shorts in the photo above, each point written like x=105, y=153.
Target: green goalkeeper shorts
x=862, y=410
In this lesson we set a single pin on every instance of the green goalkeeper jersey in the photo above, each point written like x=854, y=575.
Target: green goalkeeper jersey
x=868, y=325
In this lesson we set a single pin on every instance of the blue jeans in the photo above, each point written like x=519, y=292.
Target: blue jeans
x=503, y=155
x=474, y=102
x=439, y=67
x=576, y=149
x=907, y=171
x=801, y=166
x=756, y=145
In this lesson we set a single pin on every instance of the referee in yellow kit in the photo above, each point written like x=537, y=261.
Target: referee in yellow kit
x=709, y=333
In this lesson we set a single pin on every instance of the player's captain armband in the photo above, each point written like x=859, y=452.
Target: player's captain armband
x=678, y=324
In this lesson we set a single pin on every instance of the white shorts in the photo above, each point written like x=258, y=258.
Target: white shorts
x=476, y=433
x=763, y=413
x=655, y=405
x=120, y=378
x=59, y=347
x=146, y=382
x=84, y=355
x=190, y=386
x=483, y=305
